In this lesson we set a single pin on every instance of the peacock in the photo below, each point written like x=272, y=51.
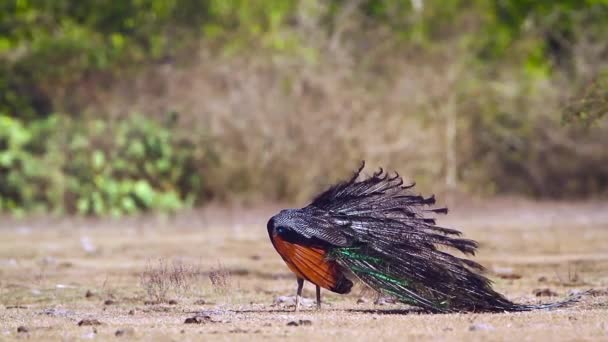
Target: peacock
x=378, y=231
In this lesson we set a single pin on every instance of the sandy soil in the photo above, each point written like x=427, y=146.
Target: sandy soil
x=57, y=273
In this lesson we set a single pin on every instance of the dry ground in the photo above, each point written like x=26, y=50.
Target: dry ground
x=48, y=266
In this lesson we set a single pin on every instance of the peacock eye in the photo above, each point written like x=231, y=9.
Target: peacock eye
x=281, y=230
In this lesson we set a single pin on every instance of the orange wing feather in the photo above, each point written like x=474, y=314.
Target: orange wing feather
x=311, y=264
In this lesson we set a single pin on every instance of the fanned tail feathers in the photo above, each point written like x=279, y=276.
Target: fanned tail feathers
x=395, y=248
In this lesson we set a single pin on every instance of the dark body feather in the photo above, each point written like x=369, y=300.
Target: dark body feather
x=381, y=232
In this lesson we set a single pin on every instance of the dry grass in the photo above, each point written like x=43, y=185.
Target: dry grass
x=221, y=279
x=49, y=283
x=169, y=278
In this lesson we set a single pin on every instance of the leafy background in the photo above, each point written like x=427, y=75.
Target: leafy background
x=111, y=108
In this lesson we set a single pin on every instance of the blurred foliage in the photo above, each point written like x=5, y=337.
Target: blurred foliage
x=24, y=170
x=97, y=167
x=590, y=104
x=50, y=45
x=79, y=163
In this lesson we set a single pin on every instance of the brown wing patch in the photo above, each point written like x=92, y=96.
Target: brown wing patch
x=311, y=264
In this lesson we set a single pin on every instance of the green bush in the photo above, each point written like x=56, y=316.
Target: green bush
x=24, y=175
x=97, y=167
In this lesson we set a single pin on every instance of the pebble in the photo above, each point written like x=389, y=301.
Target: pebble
x=481, y=327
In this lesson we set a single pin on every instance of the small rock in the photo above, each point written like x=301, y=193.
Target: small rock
x=22, y=329
x=481, y=327
x=89, y=322
x=542, y=279
x=200, y=302
x=203, y=318
x=194, y=320
x=89, y=294
x=173, y=302
x=302, y=322
x=362, y=300
x=385, y=301
x=131, y=312
x=209, y=316
x=546, y=292
x=305, y=322
x=576, y=292
x=506, y=273
x=511, y=276
x=255, y=257
x=291, y=300
x=57, y=312
x=109, y=302
x=87, y=245
x=124, y=332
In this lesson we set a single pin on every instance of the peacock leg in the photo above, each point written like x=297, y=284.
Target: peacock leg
x=318, y=298
x=299, y=293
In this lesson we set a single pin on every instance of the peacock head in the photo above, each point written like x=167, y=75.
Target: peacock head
x=284, y=222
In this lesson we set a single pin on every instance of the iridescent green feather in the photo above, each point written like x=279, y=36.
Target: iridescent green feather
x=373, y=271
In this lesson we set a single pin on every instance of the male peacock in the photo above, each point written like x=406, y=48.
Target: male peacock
x=378, y=230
